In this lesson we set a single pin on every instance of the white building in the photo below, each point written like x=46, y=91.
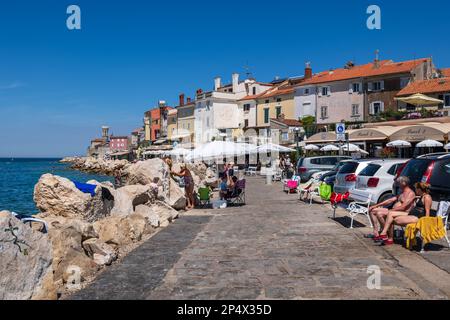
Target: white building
x=219, y=113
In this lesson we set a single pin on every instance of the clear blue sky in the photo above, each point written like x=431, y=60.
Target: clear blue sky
x=57, y=87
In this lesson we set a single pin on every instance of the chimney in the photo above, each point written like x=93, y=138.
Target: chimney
x=181, y=99
x=235, y=81
x=188, y=100
x=308, y=71
x=376, y=62
x=199, y=91
x=217, y=83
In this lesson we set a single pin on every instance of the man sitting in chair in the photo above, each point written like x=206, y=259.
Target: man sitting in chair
x=403, y=202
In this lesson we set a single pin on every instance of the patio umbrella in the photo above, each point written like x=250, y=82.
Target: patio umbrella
x=419, y=99
x=350, y=147
x=399, y=144
x=329, y=147
x=179, y=152
x=220, y=149
x=312, y=147
x=429, y=144
x=272, y=147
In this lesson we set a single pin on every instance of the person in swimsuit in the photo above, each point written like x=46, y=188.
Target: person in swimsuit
x=421, y=208
x=404, y=202
x=188, y=184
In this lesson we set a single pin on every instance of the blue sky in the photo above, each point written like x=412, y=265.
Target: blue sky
x=57, y=87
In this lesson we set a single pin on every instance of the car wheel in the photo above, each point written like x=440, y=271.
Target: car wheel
x=385, y=197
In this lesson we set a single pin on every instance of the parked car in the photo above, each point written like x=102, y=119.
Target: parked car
x=346, y=176
x=330, y=176
x=433, y=169
x=376, y=180
x=307, y=166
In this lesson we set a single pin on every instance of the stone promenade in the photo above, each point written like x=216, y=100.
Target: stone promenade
x=275, y=247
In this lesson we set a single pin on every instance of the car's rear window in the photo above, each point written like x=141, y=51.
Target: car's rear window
x=349, y=167
x=441, y=174
x=329, y=161
x=370, y=170
x=415, y=169
x=315, y=161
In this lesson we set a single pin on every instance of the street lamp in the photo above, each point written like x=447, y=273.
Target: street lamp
x=299, y=133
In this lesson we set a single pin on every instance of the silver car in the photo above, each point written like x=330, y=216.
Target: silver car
x=306, y=167
x=347, y=175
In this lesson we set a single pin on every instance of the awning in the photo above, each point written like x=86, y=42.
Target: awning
x=322, y=137
x=372, y=134
x=433, y=131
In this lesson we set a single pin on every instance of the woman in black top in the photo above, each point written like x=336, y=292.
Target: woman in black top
x=422, y=208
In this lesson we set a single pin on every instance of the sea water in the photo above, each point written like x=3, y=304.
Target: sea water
x=18, y=177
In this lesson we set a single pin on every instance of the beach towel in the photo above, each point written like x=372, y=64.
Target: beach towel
x=86, y=188
x=431, y=228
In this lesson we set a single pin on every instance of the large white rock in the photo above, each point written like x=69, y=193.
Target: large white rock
x=25, y=262
x=127, y=198
x=145, y=172
x=68, y=252
x=151, y=216
x=121, y=231
x=56, y=195
x=100, y=252
x=166, y=213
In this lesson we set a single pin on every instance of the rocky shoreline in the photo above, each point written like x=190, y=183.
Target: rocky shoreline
x=87, y=232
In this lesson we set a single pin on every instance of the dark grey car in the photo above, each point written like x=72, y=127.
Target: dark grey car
x=306, y=167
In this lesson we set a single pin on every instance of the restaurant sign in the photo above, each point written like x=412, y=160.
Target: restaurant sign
x=417, y=134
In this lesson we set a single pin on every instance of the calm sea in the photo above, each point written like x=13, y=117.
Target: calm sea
x=18, y=177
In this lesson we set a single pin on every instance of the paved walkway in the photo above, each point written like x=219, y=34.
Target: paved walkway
x=273, y=248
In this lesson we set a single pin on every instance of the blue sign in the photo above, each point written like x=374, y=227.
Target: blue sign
x=340, y=128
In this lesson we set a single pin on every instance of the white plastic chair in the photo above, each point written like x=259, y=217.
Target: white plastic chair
x=444, y=212
x=356, y=208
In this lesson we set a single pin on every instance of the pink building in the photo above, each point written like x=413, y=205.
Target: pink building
x=118, y=144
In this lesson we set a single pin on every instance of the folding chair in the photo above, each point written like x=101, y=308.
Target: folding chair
x=356, y=208
x=204, y=196
x=239, y=197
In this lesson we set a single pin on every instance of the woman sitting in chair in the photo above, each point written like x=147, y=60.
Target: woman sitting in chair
x=422, y=208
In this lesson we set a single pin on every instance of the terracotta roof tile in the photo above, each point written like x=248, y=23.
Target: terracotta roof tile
x=367, y=70
x=289, y=122
x=446, y=72
x=426, y=86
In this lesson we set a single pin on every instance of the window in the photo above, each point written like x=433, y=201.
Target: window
x=247, y=107
x=306, y=91
x=325, y=91
x=267, y=101
x=355, y=110
x=349, y=167
x=446, y=101
x=376, y=108
x=266, y=115
x=376, y=86
x=254, y=90
x=393, y=170
x=285, y=136
x=278, y=112
x=356, y=87
x=370, y=170
x=323, y=112
x=207, y=122
x=278, y=99
x=246, y=123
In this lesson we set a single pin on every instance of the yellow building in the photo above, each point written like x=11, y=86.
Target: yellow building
x=185, y=121
x=275, y=102
x=172, y=124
